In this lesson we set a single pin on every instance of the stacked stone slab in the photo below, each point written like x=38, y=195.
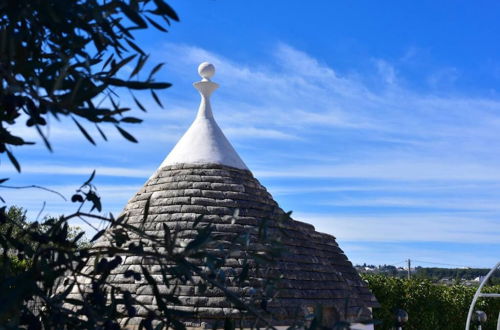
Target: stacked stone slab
x=313, y=269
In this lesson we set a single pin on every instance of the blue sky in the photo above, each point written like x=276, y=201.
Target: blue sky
x=377, y=122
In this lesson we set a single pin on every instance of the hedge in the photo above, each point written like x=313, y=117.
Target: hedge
x=430, y=306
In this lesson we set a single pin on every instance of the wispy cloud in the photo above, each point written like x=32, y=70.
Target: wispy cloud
x=430, y=227
x=421, y=253
x=440, y=202
x=258, y=133
x=397, y=187
x=351, y=140
x=34, y=200
x=76, y=170
x=412, y=169
x=296, y=94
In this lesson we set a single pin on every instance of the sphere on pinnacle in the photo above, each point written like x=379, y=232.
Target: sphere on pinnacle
x=206, y=70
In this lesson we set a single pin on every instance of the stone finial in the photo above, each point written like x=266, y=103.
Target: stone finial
x=206, y=70
x=206, y=87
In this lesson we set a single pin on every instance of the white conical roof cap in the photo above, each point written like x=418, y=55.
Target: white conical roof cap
x=204, y=142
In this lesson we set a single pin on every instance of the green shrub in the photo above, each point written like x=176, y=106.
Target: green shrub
x=12, y=265
x=430, y=306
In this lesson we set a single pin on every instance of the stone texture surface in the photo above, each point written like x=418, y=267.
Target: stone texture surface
x=314, y=269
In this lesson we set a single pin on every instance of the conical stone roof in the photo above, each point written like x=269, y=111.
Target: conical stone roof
x=217, y=184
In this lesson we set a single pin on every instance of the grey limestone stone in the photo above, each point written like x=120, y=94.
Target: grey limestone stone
x=220, y=210
x=201, y=185
x=212, y=193
x=203, y=201
x=313, y=267
x=194, y=209
x=192, y=192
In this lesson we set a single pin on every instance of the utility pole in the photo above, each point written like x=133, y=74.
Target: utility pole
x=409, y=268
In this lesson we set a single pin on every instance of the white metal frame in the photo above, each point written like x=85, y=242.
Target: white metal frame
x=479, y=294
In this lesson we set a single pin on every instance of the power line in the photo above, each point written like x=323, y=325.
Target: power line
x=397, y=263
x=441, y=263
x=405, y=261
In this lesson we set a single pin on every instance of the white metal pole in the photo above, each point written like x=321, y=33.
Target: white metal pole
x=478, y=294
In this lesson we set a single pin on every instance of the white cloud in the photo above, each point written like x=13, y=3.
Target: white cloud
x=423, y=227
x=439, y=202
x=296, y=92
x=386, y=71
x=396, y=187
x=257, y=133
x=443, y=255
x=300, y=119
x=443, y=77
x=394, y=169
x=113, y=197
x=75, y=170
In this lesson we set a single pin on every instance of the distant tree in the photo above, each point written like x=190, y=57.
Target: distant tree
x=18, y=222
x=458, y=274
x=18, y=219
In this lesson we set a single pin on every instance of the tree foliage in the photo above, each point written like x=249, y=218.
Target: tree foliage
x=429, y=306
x=435, y=273
x=65, y=58
x=18, y=222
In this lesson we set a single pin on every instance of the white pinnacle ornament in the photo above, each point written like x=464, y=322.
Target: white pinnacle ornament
x=204, y=142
